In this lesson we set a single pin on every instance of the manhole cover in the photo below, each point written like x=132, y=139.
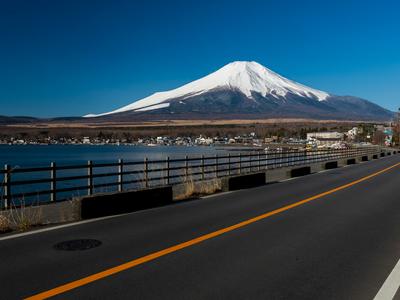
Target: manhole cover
x=83, y=244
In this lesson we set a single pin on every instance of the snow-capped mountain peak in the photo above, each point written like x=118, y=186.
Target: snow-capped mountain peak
x=253, y=77
x=244, y=76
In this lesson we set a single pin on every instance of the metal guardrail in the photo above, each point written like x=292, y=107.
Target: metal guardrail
x=57, y=184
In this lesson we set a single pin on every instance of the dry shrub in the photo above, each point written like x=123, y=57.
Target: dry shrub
x=199, y=188
x=210, y=187
x=24, y=217
x=188, y=189
x=4, y=224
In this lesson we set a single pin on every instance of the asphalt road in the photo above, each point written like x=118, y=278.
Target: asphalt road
x=340, y=245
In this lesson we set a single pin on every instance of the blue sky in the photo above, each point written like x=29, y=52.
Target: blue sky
x=69, y=58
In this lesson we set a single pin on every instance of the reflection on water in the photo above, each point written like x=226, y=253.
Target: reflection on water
x=23, y=156
x=42, y=155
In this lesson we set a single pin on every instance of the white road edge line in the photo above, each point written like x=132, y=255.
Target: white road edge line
x=217, y=194
x=17, y=235
x=391, y=285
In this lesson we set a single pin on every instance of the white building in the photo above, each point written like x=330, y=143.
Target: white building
x=352, y=133
x=325, y=138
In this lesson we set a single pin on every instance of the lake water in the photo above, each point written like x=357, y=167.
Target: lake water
x=23, y=156
x=105, y=178
x=42, y=155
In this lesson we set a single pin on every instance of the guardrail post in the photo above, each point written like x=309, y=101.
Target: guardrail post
x=186, y=168
x=273, y=159
x=240, y=163
x=289, y=157
x=146, y=172
x=90, y=177
x=293, y=157
x=249, y=160
x=7, y=186
x=301, y=157
x=229, y=164
x=120, y=175
x=284, y=158
x=53, y=183
x=202, y=167
x=216, y=165
x=167, y=170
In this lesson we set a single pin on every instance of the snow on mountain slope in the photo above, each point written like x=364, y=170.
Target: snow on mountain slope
x=246, y=77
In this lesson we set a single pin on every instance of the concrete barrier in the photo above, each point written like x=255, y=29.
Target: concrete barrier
x=351, y=161
x=330, y=165
x=274, y=175
x=297, y=172
x=123, y=202
x=243, y=181
x=342, y=162
x=317, y=167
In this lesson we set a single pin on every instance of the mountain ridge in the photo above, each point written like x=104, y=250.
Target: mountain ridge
x=246, y=76
x=249, y=89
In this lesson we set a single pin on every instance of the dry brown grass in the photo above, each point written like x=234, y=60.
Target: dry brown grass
x=24, y=217
x=198, y=122
x=191, y=188
x=210, y=187
x=188, y=191
x=20, y=218
x=5, y=225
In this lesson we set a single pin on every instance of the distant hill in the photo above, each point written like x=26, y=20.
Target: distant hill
x=4, y=120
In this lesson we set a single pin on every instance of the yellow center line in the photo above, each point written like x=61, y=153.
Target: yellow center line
x=141, y=260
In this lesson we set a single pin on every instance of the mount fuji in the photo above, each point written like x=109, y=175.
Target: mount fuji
x=246, y=90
